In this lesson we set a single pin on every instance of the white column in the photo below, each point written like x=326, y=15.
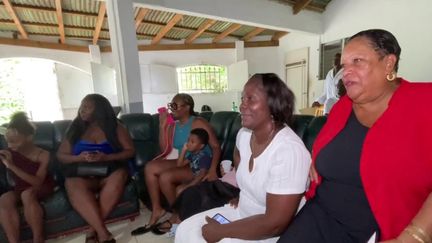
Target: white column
x=239, y=51
x=125, y=54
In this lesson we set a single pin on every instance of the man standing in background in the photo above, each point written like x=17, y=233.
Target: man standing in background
x=330, y=95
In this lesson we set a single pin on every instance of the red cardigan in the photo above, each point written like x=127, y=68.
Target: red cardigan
x=396, y=158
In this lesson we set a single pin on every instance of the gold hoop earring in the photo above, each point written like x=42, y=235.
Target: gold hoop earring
x=391, y=76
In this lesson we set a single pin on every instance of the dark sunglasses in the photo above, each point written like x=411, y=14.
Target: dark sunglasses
x=174, y=106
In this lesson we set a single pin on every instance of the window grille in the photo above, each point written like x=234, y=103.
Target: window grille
x=202, y=79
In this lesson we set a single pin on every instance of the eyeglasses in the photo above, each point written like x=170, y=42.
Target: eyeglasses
x=174, y=106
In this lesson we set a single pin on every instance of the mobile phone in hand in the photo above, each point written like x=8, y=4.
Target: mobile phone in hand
x=221, y=219
x=170, y=119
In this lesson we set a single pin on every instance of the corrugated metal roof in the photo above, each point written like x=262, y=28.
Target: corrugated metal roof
x=80, y=17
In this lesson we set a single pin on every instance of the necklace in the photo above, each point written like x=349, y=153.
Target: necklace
x=257, y=149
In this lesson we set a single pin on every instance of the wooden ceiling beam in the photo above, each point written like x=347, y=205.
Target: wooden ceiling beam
x=15, y=18
x=73, y=28
x=279, y=34
x=60, y=21
x=253, y=33
x=211, y=32
x=26, y=24
x=140, y=16
x=41, y=44
x=174, y=20
x=299, y=5
x=99, y=22
x=197, y=46
x=205, y=25
x=228, y=31
x=92, y=15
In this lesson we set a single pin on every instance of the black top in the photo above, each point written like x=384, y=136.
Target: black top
x=341, y=192
x=339, y=212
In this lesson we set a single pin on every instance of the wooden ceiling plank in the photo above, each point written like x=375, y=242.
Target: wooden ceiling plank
x=279, y=34
x=41, y=44
x=99, y=22
x=60, y=21
x=91, y=15
x=301, y=4
x=167, y=28
x=140, y=17
x=197, y=46
x=15, y=18
x=228, y=31
x=253, y=33
x=204, y=26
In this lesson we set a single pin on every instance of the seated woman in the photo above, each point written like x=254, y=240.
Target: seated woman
x=95, y=137
x=182, y=108
x=27, y=167
x=371, y=173
x=271, y=175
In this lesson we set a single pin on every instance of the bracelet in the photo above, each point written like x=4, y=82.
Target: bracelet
x=412, y=234
x=415, y=233
x=421, y=232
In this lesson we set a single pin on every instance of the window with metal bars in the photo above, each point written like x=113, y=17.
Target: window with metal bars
x=202, y=79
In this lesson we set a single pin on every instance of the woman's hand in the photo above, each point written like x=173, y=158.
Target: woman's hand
x=163, y=118
x=234, y=202
x=211, y=176
x=313, y=175
x=180, y=188
x=222, y=171
x=6, y=158
x=210, y=230
x=93, y=156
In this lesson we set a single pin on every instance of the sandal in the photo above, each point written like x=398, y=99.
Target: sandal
x=162, y=228
x=142, y=230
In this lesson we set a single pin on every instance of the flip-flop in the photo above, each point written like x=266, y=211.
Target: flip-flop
x=143, y=229
x=158, y=229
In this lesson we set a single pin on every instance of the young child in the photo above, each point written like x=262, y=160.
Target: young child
x=194, y=154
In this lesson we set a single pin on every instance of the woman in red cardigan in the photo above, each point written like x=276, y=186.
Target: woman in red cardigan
x=372, y=165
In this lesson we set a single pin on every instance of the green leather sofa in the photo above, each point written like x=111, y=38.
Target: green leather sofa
x=61, y=219
x=144, y=130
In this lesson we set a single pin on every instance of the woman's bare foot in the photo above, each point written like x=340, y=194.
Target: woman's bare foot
x=156, y=216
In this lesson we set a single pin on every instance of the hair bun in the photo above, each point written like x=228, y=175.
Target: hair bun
x=19, y=116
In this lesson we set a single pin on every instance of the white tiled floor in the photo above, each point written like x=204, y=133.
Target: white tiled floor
x=121, y=231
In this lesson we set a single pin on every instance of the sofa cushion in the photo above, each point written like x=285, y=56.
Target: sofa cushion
x=141, y=128
x=221, y=122
x=44, y=136
x=206, y=115
x=230, y=141
x=300, y=124
x=312, y=131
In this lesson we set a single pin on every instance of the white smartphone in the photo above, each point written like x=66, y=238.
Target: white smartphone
x=221, y=219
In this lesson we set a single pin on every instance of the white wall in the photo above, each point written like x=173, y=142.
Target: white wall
x=409, y=21
x=265, y=59
x=80, y=60
x=73, y=85
x=294, y=41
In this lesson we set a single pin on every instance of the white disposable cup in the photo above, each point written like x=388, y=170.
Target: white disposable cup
x=226, y=165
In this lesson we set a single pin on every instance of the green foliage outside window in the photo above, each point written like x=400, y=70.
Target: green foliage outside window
x=12, y=97
x=202, y=79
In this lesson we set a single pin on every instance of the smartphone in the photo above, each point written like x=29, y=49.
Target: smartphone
x=170, y=119
x=221, y=219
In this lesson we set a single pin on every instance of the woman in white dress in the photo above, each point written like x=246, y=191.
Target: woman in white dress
x=272, y=173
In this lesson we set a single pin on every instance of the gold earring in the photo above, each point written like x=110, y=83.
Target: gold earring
x=391, y=76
